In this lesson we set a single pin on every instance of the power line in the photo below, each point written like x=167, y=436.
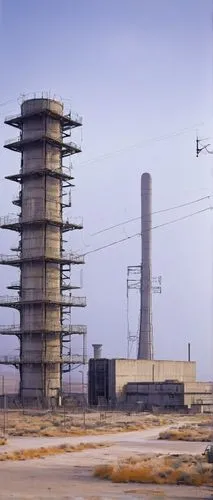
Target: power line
x=141, y=144
x=153, y=213
x=152, y=228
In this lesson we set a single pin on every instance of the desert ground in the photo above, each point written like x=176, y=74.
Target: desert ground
x=68, y=476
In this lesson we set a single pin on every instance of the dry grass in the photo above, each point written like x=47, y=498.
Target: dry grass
x=199, y=432
x=60, y=423
x=3, y=441
x=70, y=424
x=43, y=452
x=158, y=469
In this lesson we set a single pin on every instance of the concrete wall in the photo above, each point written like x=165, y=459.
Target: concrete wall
x=198, y=393
x=127, y=370
x=155, y=394
x=189, y=394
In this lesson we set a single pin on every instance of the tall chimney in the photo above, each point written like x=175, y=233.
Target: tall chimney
x=145, y=347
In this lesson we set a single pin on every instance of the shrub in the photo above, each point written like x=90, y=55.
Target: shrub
x=158, y=470
x=43, y=452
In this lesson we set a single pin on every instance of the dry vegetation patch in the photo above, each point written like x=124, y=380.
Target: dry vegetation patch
x=48, y=451
x=200, y=432
x=59, y=424
x=159, y=469
x=3, y=441
x=68, y=423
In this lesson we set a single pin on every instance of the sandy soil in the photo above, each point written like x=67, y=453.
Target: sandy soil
x=70, y=476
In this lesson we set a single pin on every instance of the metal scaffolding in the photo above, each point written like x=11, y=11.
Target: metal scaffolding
x=134, y=277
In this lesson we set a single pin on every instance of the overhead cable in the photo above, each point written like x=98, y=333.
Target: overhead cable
x=141, y=234
x=141, y=144
x=153, y=213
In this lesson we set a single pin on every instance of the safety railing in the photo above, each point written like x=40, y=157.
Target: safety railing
x=65, y=257
x=78, y=329
x=9, y=328
x=75, y=359
x=45, y=105
x=77, y=301
x=9, y=219
x=31, y=358
x=35, y=216
x=75, y=117
x=69, y=329
x=32, y=296
x=75, y=221
x=40, y=136
x=9, y=258
x=8, y=299
x=40, y=94
x=73, y=257
x=9, y=360
x=53, y=167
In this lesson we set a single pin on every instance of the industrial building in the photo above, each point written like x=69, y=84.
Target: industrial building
x=146, y=384
x=109, y=378
x=44, y=296
x=170, y=394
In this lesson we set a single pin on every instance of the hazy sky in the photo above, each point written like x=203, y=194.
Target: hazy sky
x=136, y=70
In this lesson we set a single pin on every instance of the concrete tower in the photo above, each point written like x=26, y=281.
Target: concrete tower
x=145, y=347
x=44, y=266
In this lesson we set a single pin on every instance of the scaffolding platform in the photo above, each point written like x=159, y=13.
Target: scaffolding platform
x=16, y=223
x=63, y=301
x=16, y=260
x=18, y=144
x=15, y=285
x=64, y=330
x=60, y=174
x=70, y=120
x=75, y=359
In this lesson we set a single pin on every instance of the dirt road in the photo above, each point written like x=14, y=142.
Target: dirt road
x=136, y=437
x=70, y=476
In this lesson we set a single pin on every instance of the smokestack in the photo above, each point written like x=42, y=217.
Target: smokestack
x=145, y=347
x=97, y=351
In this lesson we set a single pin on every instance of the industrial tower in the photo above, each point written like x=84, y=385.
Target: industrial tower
x=45, y=269
x=145, y=346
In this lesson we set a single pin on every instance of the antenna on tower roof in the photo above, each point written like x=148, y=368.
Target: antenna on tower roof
x=200, y=147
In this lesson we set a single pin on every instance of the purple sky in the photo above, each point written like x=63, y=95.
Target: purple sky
x=136, y=70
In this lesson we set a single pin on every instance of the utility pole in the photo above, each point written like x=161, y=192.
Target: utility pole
x=82, y=381
x=82, y=391
x=4, y=405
